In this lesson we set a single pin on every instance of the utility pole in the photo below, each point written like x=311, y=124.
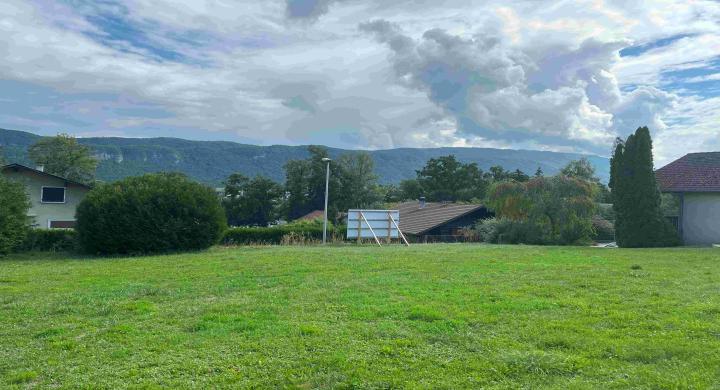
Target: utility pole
x=327, y=188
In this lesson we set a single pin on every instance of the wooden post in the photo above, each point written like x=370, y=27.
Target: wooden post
x=389, y=228
x=400, y=233
x=359, y=238
x=371, y=229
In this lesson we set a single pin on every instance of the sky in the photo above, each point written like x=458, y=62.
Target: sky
x=367, y=74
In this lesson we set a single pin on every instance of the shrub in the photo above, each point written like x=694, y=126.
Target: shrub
x=605, y=210
x=604, y=229
x=153, y=213
x=53, y=240
x=487, y=229
x=274, y=235
x=507, y=231
x=300, y=233
x=521, y=232
x=14, y=205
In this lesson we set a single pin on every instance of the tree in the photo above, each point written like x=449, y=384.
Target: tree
x=539, y=172
x=3, y=161
x=63, y=156
x=161, y=212
x=353, y=183
x=446, y=179
x=251, y=202
x=305, y=184
x=519, y=176
x=545, y=210
x=636, y=196
x=580, y=169
x=357, y=181
x=14, y=205
x=390, y=193
x=410, y=189
x=498, y=174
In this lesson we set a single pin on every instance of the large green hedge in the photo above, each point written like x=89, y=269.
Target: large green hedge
x=14, y=205
x=53, y=240
x=153, y=213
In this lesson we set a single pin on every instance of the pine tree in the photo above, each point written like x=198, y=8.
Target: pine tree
x=539, y=172
x=636, y=197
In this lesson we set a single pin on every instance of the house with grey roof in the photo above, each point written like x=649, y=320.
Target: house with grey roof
x=53, y=199
x=424, y=221
x=695, y=180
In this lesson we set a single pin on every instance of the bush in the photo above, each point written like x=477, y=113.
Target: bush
x=153, y=213
x=604, y=229
x=521, y=232
x=487, y=230
x=53, y=240
x=295, y=233
x=14, y=205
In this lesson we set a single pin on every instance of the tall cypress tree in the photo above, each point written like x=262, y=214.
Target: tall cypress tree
x=636, y=196
x=616, y=185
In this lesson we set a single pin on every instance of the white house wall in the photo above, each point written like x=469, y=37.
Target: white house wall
x=701, y=218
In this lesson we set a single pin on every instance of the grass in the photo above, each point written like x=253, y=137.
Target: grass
x=433, y=316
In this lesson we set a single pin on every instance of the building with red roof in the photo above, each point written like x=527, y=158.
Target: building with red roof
x=695, y=179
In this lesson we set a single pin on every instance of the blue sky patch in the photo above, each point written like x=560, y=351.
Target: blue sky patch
x=693, y=81
x=121, y=30
x=642, y=48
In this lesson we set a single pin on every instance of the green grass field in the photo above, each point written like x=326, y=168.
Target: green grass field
x=433, y=316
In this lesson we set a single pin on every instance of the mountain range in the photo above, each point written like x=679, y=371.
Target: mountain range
x=212, y=161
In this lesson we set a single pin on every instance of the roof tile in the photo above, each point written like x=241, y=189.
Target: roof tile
x=695, y=172
x=416, y=220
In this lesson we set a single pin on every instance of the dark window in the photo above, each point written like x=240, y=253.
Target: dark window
x=53, y=194
x=62, y=224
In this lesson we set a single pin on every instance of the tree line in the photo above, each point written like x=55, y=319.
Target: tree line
x=259, y=201
x=534, y=209
x=352, y=184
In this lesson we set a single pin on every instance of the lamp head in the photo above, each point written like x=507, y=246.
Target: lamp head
x=325, y=159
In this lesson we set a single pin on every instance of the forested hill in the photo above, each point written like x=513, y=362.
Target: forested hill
x=212, y=161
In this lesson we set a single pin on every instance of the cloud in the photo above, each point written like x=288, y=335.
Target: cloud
x=307, y=9
x=497, y=91
x=644, y=106
x=499, y=73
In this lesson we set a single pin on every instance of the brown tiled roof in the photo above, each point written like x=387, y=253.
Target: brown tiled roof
x=313, y=215
x=416, y=220
x=695, y=172
x=19, y=167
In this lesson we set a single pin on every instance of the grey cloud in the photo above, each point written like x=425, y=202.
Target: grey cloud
x=307, y=9
x=300, y=103
x=303, y=96
x=645, y=106
x=590, y=63
x=483, y=84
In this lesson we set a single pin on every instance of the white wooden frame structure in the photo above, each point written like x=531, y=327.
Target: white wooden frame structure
x=375, y=224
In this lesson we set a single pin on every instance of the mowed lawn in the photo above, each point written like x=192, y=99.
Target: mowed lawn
x=429, y=316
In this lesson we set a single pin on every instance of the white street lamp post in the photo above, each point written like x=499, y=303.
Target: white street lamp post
x=327, y=187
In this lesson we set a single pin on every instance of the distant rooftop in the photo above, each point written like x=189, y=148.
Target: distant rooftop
x=18, y=167
x=313, y=215
x=694, y=172
x=417, y=220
